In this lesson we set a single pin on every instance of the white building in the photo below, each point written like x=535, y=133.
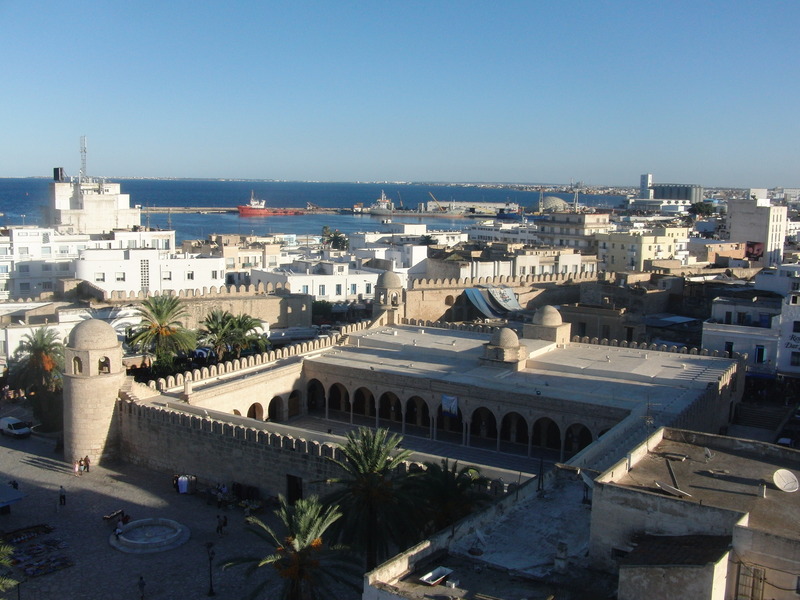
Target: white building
x=148, y=270
x=89, y=205
x=325, y=280
x=766, y=328
x=395, y=234
x=761, y=225
x=506, y=232
x=32, y=259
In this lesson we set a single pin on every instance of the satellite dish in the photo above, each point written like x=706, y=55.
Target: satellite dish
x=785, y=480
x=672, y=490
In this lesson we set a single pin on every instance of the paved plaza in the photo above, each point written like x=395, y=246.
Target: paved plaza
x=100, y=571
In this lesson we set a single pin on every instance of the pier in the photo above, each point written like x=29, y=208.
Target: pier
x=204, y=210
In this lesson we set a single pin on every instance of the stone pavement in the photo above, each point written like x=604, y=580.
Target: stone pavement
x=99, y=571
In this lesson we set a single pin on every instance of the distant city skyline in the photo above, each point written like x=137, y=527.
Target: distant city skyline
x=517, y=92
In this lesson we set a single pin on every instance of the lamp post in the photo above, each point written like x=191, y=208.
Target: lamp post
x=210, y=552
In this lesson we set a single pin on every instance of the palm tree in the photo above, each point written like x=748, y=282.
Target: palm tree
x=39, y=361
x=449, y=494
x=215, y=330
x=374, y=498
x=6, y=582
x=161, y=332
x=336, y=240
x=309, y=567
x=244, y=334
x=427, y=240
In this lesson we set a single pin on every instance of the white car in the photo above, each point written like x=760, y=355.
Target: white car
x=14, y=427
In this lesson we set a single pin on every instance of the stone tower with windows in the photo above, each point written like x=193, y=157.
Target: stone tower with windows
x=389, y=297
x=93, y=376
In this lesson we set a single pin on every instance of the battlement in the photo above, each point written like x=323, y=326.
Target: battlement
x=223, y=291
x=741, y=357
x=509, y=280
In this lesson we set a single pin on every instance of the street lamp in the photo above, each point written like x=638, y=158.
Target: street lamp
x=210, y=551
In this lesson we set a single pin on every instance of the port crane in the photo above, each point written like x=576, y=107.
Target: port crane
x=438, y=205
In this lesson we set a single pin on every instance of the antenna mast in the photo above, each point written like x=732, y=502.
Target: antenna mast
x=83, y=159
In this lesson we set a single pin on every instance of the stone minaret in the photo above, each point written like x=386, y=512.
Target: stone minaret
x=93, y=376
x=389, y=297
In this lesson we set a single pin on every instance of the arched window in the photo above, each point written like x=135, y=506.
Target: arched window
x=104, y=365
x=77, y=366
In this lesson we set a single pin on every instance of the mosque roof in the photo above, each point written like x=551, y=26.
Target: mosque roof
x=93, y=334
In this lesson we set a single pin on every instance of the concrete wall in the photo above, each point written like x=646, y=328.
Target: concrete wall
x=757, y=548
x=705, y=582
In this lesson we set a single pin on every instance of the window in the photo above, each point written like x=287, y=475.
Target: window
x=3, y=268
x=47, y=285
x=26, y=287
x=47, y=251
x=369, y=288
x=47, y=267
x=796, y=327
x=795, y=361
x=167, y=276
x=24, y=250
x=213, y=274
x=760, y=356
x=99, y=276
x=190, y=275
x=305, y=289
x=321, y=290
x=119, y=276
x=353, y=289
x=338, y=289
x=63, y=266
x=729, y=347
x=63, y=249
x=24, y=268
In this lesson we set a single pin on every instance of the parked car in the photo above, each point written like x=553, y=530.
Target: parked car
x=14, y=427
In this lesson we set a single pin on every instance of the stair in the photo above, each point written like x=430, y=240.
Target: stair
x=760, y=416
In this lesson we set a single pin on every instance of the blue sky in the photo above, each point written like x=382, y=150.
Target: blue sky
x=694, y=92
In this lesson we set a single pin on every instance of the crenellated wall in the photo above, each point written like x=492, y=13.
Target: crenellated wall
x=429, y=299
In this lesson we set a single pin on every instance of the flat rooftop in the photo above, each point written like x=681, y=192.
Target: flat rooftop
x=591, y=374
x=730, y=479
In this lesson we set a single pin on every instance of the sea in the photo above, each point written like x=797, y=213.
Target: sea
x=22, y=201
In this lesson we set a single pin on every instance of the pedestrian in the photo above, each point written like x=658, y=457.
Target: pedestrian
x=81, y=465
x=219, y=525
x=141, y=587
x=224, y=523
x=62, y=496
x=77, y=468
x=86, y=463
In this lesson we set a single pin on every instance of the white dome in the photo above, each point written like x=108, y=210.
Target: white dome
x=505, y=338
x=389, y=280
x=548, y=316
x=93, y=334
x=554, y=204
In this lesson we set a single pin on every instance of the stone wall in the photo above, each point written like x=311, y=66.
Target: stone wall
x=429, y=299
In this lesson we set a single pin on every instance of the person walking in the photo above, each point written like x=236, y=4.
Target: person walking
x=77, y=468
x=141, y=587
x=62, y=496
x=86, y=463
x=219, y=525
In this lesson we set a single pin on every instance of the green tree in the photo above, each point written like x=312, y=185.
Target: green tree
x=336, y=240
x=38, y=362
x=215, y=331
x=161, y=331
x=373, y=495
x=448, y=493
x=245, y=334
x=427, y=240
x=6, y=582
x=309, y=567
x=701, y=209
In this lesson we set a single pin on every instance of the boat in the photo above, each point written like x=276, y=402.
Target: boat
x=259, y=208
x=381, y=207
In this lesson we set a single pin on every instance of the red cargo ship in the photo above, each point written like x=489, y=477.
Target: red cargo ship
x=258, y=208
